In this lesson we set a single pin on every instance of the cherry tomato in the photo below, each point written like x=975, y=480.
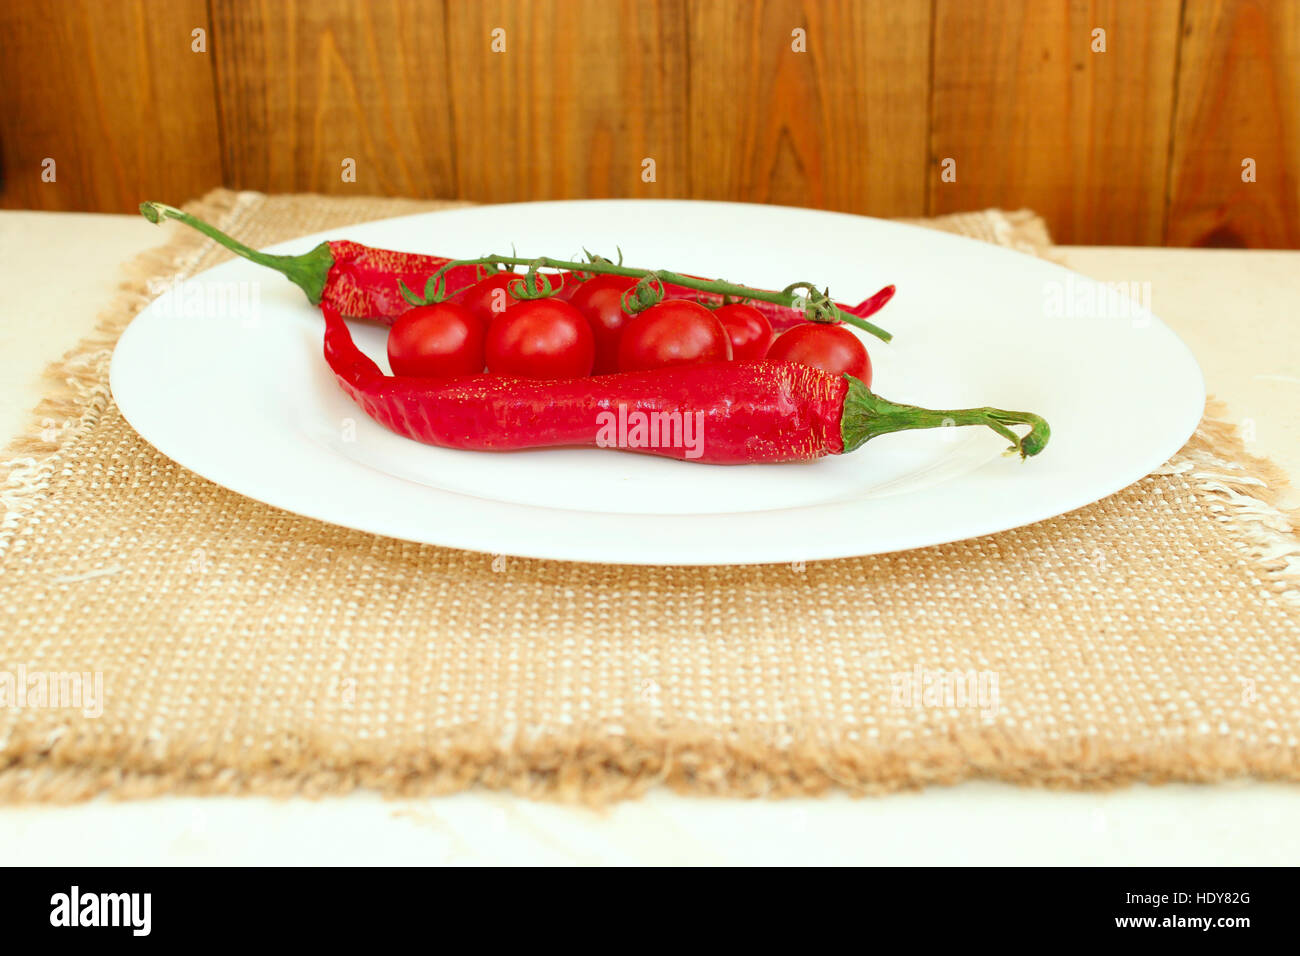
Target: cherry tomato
x=437, y=341
x=748, y=329
x=488, y=297
x=832, y=348
x=674, y=332
x=600, y=300
x=540, y=338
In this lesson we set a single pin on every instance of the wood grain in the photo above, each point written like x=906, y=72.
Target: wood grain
x=305, y=86
x=584, y=93
x=1141, y=144
x=1225, y=116
x=840, y=125
x=1034, y=118
x=113, y=93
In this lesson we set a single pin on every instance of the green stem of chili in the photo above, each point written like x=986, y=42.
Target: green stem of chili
x=866, y=415
x=309, y=271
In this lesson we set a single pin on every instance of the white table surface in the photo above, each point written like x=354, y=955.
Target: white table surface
x=1237, y=310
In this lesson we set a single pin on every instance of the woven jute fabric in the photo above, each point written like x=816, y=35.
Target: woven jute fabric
x=1152, y=636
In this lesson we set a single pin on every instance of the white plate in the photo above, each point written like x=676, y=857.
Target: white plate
x=225, y=376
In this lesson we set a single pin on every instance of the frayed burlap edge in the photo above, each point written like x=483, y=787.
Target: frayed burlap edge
x=1245, y=492
x=1242, y=490
x=595, y=773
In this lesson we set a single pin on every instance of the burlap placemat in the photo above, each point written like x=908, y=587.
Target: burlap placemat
x=1154, y=635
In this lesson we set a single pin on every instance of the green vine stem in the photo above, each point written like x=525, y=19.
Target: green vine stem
x=815, y=303
x=867, y=415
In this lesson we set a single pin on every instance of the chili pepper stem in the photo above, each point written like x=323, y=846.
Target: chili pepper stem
x=815, y=301
x=308, y=271
x=867, y=415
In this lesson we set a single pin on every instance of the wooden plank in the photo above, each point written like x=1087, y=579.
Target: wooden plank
x=114, y=95
x=1238, y=99
x=839, y=125
x=1033, y=117
x=305, y=86
x=584, y=92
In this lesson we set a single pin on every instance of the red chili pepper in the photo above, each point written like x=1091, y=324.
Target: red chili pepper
x=359, y=281
x=362, y=282
x=726, y=413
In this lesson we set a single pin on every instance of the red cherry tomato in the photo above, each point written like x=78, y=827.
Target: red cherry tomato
x=488, y=297
x=437, y=341
x=674, y=332
x=748, y=329
x=832, y=348
x=600, y=300
x=540, y=338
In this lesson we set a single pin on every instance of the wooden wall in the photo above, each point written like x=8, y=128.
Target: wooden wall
x=895, y=107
